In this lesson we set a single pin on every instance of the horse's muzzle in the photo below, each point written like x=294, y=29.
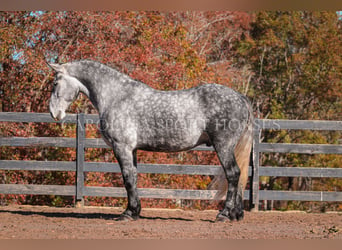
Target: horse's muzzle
x=57, y=117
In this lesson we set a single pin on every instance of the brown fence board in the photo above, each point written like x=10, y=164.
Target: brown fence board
x=37, y=165
x=300, y=148
x=154, y=168
x=155, y=193
x=108, y=167
x=34, y=117
x=299, y=124
x=37, y=189
x=300, y=195
x=303, y=172
x=38, y=142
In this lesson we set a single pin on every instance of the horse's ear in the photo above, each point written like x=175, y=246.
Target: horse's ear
x=57, y=67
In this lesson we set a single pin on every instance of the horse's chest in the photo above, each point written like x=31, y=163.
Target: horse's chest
x=118, y=130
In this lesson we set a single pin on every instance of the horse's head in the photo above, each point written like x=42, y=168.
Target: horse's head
x=65, y=91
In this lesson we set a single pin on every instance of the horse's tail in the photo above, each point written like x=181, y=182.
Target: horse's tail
x=242, y=154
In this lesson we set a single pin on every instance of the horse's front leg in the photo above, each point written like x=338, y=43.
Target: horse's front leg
x=128, y=164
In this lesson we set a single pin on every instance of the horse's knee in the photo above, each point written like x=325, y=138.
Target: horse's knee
x=129, y=176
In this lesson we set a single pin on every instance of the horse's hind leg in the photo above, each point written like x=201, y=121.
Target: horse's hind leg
x=233, y=206
x=128, y=164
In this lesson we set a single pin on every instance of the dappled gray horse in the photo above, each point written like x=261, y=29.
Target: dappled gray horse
x=135, y=116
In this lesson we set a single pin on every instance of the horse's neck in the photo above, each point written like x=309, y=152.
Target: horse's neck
x=102, y=89
x=94, y=91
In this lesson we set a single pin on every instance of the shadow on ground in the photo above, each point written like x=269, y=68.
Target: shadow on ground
x=85, y=215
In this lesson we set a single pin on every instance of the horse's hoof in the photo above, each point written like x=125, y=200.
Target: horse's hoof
x=240, y=216
x=125, y=217
x=232, y=215
x=236, y=214
x=222, y=218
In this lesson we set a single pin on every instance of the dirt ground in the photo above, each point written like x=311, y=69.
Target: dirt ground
x=35, y=222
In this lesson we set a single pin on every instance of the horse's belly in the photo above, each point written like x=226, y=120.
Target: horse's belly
x=174, y=143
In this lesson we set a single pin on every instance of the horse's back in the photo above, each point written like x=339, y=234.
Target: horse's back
x=221, y=102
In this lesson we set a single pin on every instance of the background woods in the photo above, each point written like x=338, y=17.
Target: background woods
x=288, y=63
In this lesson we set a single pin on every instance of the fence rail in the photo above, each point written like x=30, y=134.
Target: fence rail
x=261, y=147
x=80, y=166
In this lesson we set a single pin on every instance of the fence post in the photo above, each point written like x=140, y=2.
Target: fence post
x=80, y=138
x=255, y=168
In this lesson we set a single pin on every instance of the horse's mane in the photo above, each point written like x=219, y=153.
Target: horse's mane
x=109, y=68
x=96, y=64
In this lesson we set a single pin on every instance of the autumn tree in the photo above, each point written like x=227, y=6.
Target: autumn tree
x=296, y=65
x=294, y=57
x=213, y=34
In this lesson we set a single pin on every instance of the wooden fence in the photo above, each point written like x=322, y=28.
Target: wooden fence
x=260, y=147
x=80, y=166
